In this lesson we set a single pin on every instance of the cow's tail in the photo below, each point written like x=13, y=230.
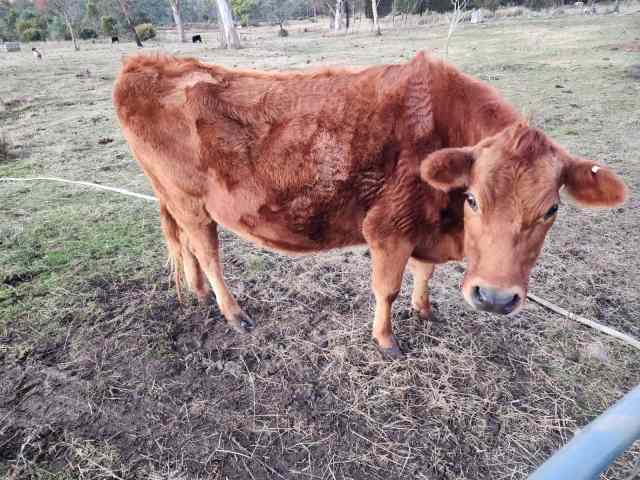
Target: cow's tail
x=171, y=232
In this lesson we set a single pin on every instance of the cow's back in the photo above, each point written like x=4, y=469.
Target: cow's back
x=289, y=160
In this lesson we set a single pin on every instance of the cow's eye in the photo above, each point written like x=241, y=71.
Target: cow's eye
x=471, y=201
x=551, y=212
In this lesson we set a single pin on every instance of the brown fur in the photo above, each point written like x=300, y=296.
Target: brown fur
x=309, y=161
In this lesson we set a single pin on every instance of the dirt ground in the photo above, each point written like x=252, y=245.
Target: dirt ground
x=104, y=375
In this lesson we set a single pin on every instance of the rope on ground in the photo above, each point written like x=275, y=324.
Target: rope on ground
x=585, y=321
x=628, y=339
x=85, y=184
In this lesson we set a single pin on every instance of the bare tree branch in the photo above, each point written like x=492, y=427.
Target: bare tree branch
x=71, y=12
x=454, y=18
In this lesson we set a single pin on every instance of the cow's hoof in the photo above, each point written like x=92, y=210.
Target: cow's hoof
x=422, y=309
x=422, y=314
x=392, y=352
x=242, y=322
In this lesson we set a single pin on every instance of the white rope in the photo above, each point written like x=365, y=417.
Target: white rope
x=551, y=306
x=585, y=321
x=86, y=184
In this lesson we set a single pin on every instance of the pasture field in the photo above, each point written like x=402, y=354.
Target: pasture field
x=104, y=375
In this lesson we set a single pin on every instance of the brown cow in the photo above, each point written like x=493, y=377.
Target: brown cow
x=419, y=161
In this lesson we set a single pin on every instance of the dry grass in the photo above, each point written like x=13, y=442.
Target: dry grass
x=104, y=375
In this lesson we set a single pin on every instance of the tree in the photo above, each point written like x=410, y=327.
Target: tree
x=279, y=11
x=58, y=29
x=108, y=25
x=124, y=9
x=337, y=16
x=347, y=12
x=93, y=14
x=229, y=37
x=384, y=7
x=454, y=18
x=175, y=10
x=71, y=11
x=244, y=10
x=374, y=11
x=12, y=20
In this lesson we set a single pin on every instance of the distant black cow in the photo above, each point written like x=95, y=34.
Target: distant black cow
x=196, y=39
x=115, y=40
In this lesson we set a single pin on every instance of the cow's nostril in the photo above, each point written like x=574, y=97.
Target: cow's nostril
x=486, y=296
x=511, y=306
x=476, y=296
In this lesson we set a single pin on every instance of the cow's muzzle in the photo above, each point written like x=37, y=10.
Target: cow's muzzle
x=489, y=299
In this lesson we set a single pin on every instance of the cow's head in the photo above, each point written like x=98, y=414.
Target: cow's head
x=512, y=182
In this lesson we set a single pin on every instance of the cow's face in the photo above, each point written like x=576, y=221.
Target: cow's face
x=512, y=183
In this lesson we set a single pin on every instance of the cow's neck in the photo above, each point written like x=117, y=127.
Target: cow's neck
x=466, y=109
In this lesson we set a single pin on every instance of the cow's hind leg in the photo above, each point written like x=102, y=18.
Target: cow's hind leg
x=182, y=258
x=196, y=279
x=203, y=243
x=421, y=272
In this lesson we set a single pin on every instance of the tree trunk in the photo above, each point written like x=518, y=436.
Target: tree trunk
x=229, y=35
x=175, y=9
x=374, y=10
x=132, y=27
x=347, y=12
x=71, y=31
x=337, y=19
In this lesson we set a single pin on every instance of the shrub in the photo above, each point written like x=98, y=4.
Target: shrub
x=491, y=5
x=538, y=4
x=243, y=9
x=108, y=25
x=510, y=12
x=32, y=35
x=87, y=33
x=23, y=25
x=145, y=31
x=31, y=22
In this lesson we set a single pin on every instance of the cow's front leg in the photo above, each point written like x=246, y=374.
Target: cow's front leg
x=421, y=272
x=388, y=261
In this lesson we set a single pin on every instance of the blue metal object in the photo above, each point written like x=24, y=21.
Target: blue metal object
x=595, y=447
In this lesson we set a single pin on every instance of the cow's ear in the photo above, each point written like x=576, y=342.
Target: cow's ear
x=593, y=185
x=448, y=169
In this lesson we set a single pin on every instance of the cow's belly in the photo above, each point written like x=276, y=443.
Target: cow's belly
x=294, y=226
